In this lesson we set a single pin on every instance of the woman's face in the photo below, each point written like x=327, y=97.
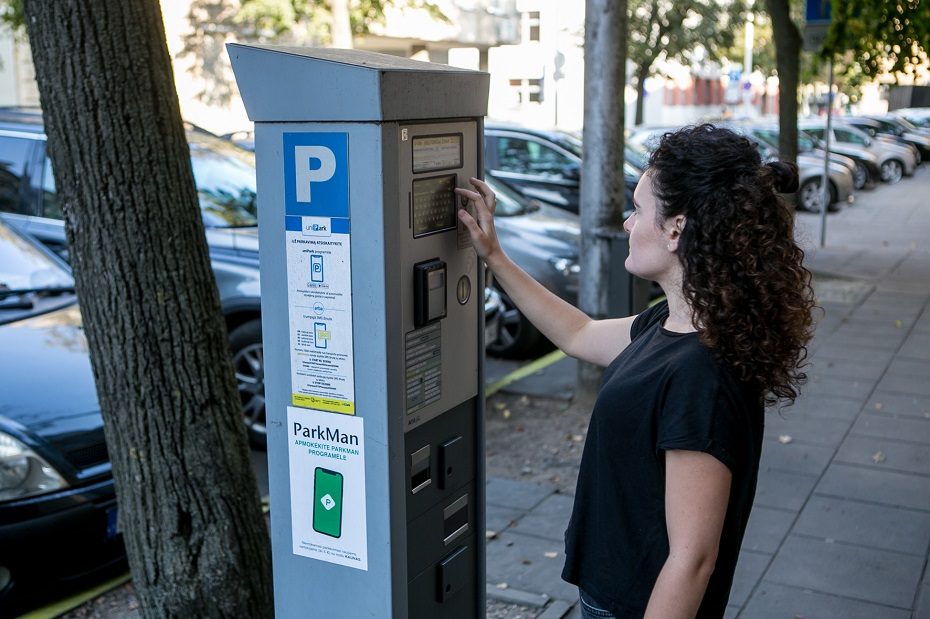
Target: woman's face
x=652, y=244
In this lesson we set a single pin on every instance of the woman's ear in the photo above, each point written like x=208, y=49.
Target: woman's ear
x=676, y=227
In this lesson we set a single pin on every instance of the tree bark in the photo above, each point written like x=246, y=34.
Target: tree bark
x=602, y=165
x=787, y=59
x=189, y=510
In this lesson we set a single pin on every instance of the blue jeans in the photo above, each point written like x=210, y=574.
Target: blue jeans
x=591, y=609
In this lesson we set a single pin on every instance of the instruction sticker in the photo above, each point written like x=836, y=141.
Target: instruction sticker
x=319, y=274
x=326, y=458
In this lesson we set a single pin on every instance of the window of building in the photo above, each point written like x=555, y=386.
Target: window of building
x=532, y=26
x=527, y=90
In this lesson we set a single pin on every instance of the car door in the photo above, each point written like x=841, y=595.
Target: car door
x=537, y=167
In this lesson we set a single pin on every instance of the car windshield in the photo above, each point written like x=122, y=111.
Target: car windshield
x=509, y=202
x=24, y=267
x=225, y=178
x=569, y=142
x=770, y=137
x=904, y=122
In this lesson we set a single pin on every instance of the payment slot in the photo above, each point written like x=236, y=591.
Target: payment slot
x=372, y=319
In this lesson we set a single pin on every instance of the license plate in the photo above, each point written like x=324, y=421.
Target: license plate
x=112, y=522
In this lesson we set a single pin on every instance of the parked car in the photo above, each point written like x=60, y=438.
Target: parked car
x=891, y=161
x=895, y=127
x=810, y=169
x=225, y=178
x=544, y=165
x=543, y=240
x=810, y=164
x=917, y=116
x=57, y=499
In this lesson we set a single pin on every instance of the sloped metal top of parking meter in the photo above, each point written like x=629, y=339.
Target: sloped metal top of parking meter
x=295, y=84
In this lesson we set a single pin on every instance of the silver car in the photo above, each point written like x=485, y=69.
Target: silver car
x=892, y=161
x=810, y=168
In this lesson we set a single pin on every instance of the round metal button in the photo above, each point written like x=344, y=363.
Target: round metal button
x=463, y=290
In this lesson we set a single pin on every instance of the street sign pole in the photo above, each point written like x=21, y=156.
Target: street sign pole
x=825, y=185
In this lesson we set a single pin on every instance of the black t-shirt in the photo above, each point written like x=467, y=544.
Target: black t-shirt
x=665, y=391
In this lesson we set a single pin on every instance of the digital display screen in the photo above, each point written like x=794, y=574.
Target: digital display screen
x=437, y=152
x=433, y=204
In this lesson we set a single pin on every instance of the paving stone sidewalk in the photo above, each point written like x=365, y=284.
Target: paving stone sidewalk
x=841, y=523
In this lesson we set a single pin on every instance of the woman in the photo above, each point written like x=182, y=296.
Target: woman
x=670, y=463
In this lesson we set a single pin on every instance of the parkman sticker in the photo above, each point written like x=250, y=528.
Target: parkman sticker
x=319, y=274
x=326, y=459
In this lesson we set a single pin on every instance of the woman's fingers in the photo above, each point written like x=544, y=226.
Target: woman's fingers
x=489, y=198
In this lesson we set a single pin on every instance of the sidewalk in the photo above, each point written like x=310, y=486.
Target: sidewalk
x=841, y=523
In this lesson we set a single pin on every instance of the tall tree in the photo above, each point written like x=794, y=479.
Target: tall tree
x=879, y=37
x=213, y=23
x=788, y=59
x=602, y=184
x=189, y=509
x=677, y=30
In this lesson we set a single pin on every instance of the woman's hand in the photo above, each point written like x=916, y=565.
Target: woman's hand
x=481, y=226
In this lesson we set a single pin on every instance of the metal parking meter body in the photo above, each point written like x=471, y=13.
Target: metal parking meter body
x=372, y=314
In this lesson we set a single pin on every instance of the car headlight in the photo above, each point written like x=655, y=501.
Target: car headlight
x=23, y=472
x=566, y=266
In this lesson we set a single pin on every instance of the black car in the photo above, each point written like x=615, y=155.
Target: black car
x=544, y=241
x=544, y=165
x=225, y=177
x=58, y=509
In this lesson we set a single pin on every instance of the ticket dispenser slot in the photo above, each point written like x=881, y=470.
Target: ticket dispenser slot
x=420, y=470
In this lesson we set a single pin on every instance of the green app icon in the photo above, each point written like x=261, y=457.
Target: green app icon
x=327, y=502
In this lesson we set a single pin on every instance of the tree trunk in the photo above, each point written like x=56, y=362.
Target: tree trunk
x=342, y=26
x=787, y=58
x=189, y=510
x=602, y=165
x=641, y=73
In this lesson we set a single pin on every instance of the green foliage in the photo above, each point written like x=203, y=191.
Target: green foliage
x=11, y=14
x=763, y=48
x=274, y=19
x=677, y=30
x=296, y=22
x=877, y=36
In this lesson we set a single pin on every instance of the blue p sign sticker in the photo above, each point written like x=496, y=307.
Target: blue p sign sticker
x=316, y=174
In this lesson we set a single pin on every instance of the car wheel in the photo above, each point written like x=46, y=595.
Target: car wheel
x=517, y=337
x=809, y=196
x=249, y=364
x=892, y=171
x=860, y=176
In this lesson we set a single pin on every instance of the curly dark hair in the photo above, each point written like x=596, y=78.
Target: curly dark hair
x=742, y=270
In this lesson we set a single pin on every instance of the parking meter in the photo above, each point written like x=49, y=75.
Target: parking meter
x=372, y=315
